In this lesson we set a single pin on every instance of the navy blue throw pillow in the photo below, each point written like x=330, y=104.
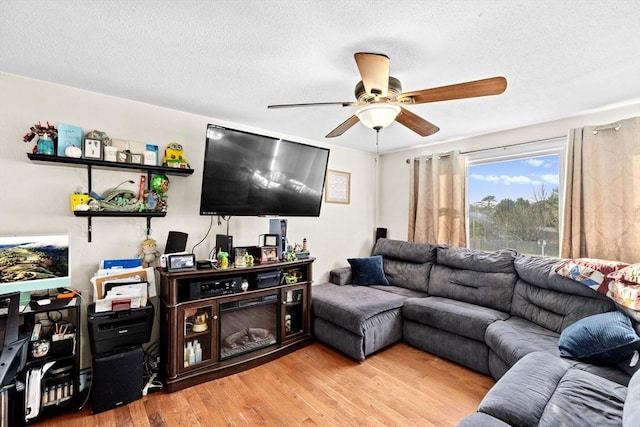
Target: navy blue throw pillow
x=604, y=338
x=367, y=271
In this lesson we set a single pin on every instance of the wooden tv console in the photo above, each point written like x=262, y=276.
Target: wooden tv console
x=205, y=319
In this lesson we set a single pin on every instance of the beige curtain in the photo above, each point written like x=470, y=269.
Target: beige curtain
x=602, y=198
x=437, y=202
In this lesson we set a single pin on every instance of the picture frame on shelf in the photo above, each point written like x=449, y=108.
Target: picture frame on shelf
x=92, y=149
x=268, y=254
x=136, y=158
x=337, y=187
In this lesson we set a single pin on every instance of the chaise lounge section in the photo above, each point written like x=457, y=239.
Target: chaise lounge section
x=359, y=321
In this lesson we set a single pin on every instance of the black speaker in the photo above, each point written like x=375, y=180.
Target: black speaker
x=225, y=243
x=381, y=233
x=117, y=379
x=176, y=242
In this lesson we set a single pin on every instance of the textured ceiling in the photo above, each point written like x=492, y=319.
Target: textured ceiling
x=228, y=60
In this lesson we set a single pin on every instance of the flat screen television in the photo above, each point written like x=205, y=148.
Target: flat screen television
x=246, y=174
x=29, y=263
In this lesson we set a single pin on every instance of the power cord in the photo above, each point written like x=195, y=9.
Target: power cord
x=205, y=236
x=152, y=385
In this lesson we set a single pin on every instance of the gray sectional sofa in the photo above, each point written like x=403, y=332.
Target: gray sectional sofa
x=492, y=312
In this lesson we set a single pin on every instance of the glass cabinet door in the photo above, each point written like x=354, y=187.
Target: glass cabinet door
x=294, y=303
x=198, y=344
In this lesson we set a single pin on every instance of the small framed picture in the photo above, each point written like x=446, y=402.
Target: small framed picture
x=269, y=239
x=268, y=254
x=338, y=187
x=92, y=149
x=136, y=158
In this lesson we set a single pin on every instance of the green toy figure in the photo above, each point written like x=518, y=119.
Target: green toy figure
x=159, y=187
x=290, y=255
x=223, y=259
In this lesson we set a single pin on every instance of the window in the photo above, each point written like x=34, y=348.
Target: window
x=513, y=200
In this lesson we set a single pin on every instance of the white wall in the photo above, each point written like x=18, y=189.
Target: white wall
x=34, y=197
x=393, y=204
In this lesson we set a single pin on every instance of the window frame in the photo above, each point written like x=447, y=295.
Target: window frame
x=521, y=151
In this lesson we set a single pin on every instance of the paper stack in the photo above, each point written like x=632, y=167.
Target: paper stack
x=122, y=288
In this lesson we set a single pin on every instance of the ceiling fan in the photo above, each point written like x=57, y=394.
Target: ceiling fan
x=382, y=101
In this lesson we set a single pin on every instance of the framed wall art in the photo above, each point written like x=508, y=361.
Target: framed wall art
x=92, y=149
x=338, y=187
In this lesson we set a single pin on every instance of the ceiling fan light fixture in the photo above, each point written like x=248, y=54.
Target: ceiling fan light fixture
x=378, y=116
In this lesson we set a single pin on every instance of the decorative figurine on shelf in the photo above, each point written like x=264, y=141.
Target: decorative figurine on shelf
x=159, y=186
x=248, y=260
x=99, y=135
x=301, y=252
x=149, y=253
x=174, y=156
x=223, y=259
x=47, y=138
x=290, y=254
x=116, y=199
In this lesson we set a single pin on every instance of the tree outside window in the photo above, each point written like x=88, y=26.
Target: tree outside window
x=515, y=204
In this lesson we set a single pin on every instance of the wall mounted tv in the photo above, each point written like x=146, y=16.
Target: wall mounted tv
x=246, y=174
x=29, y=263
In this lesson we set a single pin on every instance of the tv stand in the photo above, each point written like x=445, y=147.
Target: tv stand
x=210, y=328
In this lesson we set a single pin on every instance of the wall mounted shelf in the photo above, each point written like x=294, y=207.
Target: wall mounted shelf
x=101, y=164
x=108, y=165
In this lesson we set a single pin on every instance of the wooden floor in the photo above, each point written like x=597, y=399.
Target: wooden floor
x=314, y=386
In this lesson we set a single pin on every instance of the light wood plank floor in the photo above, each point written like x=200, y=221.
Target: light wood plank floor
x=314, y=386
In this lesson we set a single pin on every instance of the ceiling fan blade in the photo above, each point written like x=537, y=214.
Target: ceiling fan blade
x=416, y=123
x=374, y=70
x=484, y=87
x=343, y=127
x=314, y=104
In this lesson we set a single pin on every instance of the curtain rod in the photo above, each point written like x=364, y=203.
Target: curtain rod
x=479, y=150
x=497, y=148
x=614, y=126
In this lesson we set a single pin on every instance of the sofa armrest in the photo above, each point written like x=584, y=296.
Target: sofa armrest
x=340, y=276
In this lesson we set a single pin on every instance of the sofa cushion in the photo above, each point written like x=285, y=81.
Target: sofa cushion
x=582, y=398
x=351, y=306
x=461, y=318
x=473, y=276
x=367, y=271
x=604, y=338
x=553, y=309
x=407, y=264
x=417, y=253
x=538, y=271
x=543, y=390
x=476, y=260
x=512, y=339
